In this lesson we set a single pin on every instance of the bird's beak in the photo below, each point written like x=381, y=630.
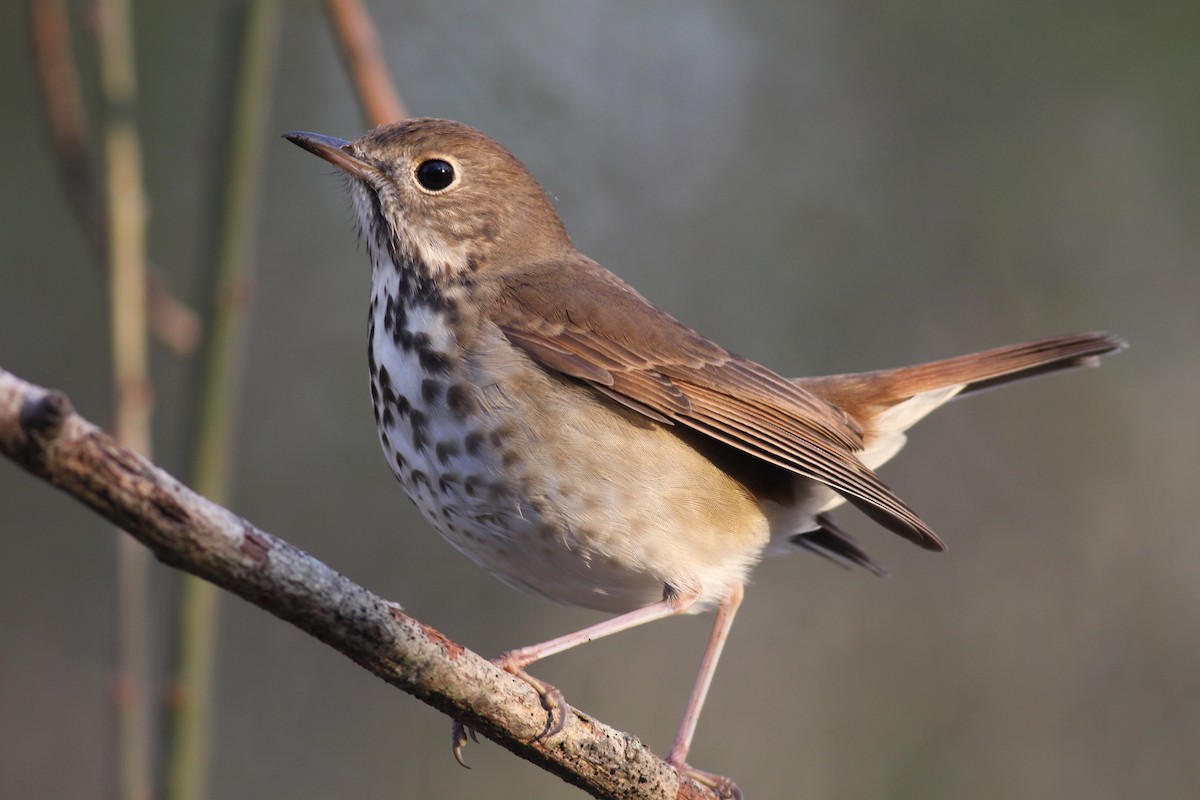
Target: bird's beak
x=335, y=151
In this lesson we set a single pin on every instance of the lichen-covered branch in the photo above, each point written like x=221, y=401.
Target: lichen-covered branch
x=40, y=431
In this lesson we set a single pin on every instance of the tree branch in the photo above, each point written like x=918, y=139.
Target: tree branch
x=40, y=431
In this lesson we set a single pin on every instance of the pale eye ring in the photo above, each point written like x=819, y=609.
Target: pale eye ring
x=435, y=174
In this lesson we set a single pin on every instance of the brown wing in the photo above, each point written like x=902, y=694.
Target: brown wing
x=583, y=321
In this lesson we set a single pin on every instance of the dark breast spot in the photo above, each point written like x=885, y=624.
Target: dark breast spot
x=389, y=315
x=460, y=400
x=400, y=319
x=371, y=344
x=445, y=451
x=402, y=405
x=473, y=442
x=433, y=361
x=431, y=390
x=420, y=434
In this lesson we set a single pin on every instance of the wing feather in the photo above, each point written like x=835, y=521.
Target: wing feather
x=582, y=321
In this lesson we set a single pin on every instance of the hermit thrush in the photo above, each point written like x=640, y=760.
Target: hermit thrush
x=580, y=443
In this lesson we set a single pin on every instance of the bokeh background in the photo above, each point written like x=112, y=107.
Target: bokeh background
x=821, y=185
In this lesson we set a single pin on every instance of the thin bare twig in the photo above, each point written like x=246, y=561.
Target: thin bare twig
x=358, y=41
x=171, y=320
x=40, y=431
x=66, y=119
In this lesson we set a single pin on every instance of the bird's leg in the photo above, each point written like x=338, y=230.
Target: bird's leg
x=683, y=740
x=515, y=661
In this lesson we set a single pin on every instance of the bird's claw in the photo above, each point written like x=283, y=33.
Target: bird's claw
x=459, y=734
x=552, y=699
x=553, y=702
x=722, y=787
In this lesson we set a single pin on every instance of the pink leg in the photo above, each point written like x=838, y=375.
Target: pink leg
x=515, y=661
x=667, y=607
x=683, y=740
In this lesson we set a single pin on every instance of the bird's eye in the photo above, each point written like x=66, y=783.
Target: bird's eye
x=435, y=174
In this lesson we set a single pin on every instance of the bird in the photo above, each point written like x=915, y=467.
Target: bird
x=585, y=446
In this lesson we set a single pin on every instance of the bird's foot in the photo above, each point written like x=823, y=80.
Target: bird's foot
x=552, y=700
x=514, y=662
x=722, y=787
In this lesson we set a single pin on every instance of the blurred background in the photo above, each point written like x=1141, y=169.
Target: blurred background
x=823, y=186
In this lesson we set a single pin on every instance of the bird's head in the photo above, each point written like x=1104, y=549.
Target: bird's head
x=443, y=198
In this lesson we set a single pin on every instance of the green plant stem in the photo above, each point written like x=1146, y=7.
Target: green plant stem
x=227, y=265
x=127, y=296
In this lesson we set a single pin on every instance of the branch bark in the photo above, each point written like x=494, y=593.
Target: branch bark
x=40, y=431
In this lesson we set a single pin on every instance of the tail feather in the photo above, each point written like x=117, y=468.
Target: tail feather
x=831, y=542
x=868, y=395
x=890, y=401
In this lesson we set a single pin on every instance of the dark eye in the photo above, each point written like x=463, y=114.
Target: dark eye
x=435, y=174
